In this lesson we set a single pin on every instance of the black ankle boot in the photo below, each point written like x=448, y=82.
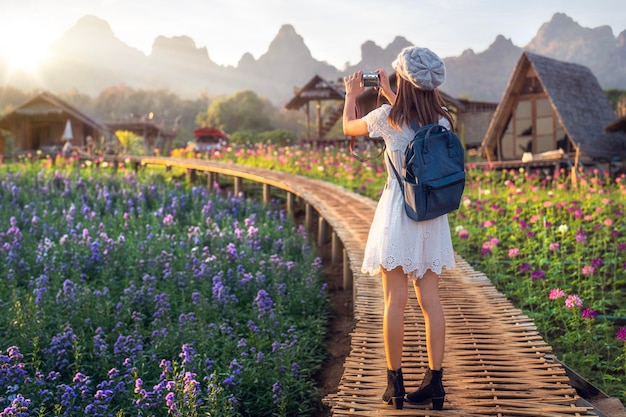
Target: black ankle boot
x=431, y=390
x=394, y=394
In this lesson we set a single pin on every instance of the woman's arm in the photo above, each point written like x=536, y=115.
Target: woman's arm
x=353, y=126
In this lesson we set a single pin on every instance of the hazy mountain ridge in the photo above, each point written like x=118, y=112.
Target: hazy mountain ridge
x=89, y=58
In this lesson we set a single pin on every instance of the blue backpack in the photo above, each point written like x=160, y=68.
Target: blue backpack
x=434, y=173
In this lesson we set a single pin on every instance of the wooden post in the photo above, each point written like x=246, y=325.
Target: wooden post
x=238, y=185
x=191, y=176
x=322, y=231
x=347, y=272
x=336, y=249
x=308, y=217
x=291, y=202
x=267, y=193
x=211, y=178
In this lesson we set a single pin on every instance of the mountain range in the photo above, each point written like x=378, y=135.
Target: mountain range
x=90, y=58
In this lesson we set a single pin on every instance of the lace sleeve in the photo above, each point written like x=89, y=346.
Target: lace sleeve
x=378, y=126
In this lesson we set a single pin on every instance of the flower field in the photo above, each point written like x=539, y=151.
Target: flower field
x=129, y=294
x=556, y=247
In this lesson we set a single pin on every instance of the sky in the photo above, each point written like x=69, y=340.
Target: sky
x=333, y=30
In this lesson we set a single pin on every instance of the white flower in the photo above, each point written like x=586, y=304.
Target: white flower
x=459, y=228
x=563, y=228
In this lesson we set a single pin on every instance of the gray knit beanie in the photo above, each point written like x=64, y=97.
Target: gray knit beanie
x=421, y=67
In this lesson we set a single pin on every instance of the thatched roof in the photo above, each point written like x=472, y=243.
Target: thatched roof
x=47, y=104
x=581, y=106
x=316, y=89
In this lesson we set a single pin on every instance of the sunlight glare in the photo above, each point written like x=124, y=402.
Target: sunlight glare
x=24, y=52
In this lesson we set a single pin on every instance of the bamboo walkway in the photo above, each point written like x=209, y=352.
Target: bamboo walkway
x=496, y=364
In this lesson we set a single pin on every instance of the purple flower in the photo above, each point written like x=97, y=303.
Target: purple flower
x=187, y=354
x=589, y=313
x=621, y=334
x=597, y=262
x=581, y=236
x=264, y=304
x=524, y=268
x=538, y=274
x=463, y=234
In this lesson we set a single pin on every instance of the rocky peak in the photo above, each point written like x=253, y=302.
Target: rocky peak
x=178, y=46
x=286, y=42
x=90, y=26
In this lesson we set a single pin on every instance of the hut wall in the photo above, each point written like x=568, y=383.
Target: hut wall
x=473, y=126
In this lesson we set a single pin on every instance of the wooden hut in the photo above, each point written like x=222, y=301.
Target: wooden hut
x=552, y=110
x=40, y=123
x=318, y=90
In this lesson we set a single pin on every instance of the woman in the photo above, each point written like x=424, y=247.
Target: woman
x=399, y=248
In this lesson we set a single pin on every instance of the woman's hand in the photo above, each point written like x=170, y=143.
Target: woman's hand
x=385, y=86
x=354, y=84
x=351, y=125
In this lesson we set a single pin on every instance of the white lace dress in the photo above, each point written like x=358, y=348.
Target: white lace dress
x=394, y=239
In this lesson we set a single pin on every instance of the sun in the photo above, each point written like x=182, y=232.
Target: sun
x=22, y=53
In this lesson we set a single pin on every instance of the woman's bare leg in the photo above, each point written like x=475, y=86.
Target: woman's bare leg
x=427, y=292
x=395, y=289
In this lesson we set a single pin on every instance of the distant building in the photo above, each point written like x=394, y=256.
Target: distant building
x=41, y=122
x=318, y=90
x=209, y=138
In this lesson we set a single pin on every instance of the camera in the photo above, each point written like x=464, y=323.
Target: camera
x=371, y=79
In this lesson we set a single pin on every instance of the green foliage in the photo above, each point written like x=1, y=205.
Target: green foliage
x=132, y=144
x=616, y=97
x=242, y=111
x=244, y=137
x=279, y=137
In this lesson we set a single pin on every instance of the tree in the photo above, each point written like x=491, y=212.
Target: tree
x=242, y=111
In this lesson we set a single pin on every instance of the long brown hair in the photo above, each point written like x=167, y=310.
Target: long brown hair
x=415, y=105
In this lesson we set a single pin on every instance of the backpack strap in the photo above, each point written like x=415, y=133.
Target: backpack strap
x=400, y=181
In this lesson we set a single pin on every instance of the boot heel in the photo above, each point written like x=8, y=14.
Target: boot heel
x=398, y=402
x=438, y=403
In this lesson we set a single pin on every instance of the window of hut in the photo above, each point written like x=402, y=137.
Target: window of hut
x=545, y=140
x=523, y=123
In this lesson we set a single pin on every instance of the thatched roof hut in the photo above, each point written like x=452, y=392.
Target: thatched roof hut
x=551, y=106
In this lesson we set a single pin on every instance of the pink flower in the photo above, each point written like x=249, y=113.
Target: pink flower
x=554, y=247
x=621, y=334
x=556, y=293
x=573, y=301
x=513, y=252
x=608, y=222
x=463, y=234
x=588, y=270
